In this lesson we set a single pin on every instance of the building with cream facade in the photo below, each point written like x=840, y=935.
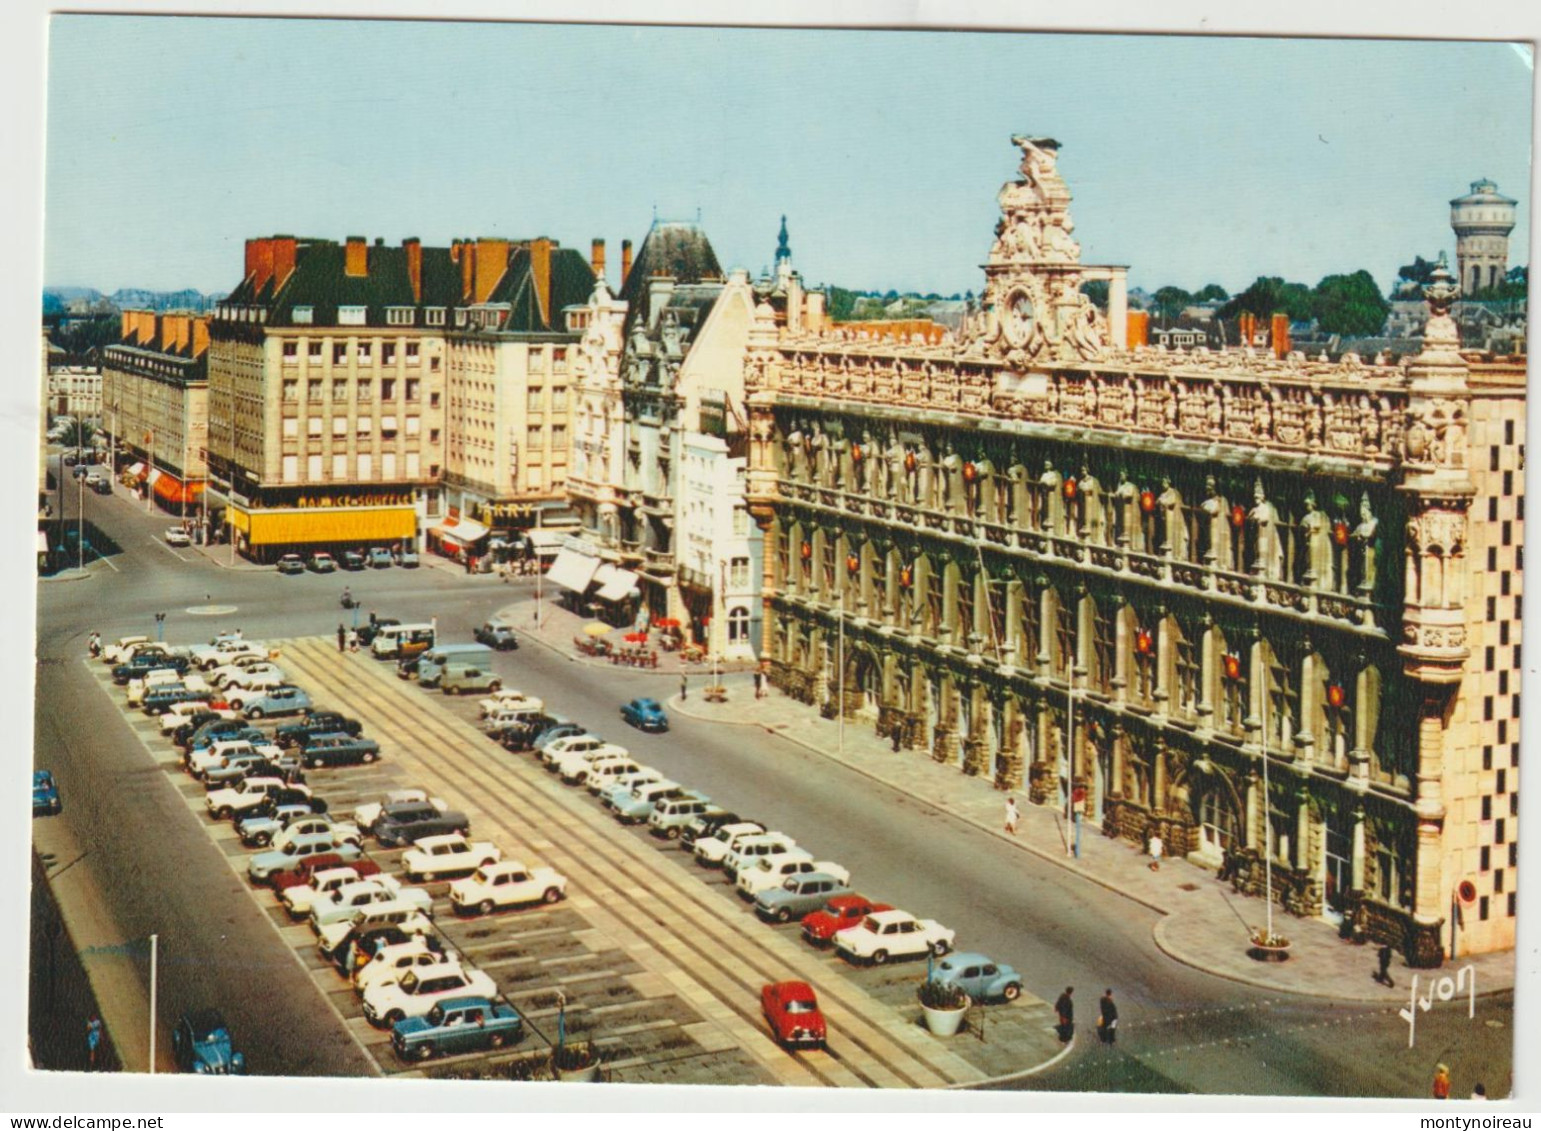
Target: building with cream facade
x=74, y=390
x=155, y=403
x=1123, y=580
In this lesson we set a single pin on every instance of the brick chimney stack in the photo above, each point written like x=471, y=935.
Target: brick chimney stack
x=1281, y=336
x=597, y=259
x=625, y=260
x=540, y=274
x=285, y=256
x=414, y=249
x=356, y=261
x=491, y=263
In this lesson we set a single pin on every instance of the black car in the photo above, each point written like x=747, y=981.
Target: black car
x=215, y=730
x=496, y=634
x=246, y=733
x=406, y=667
x=339, y=750
x=140, y=665
x=193, y=721
x=354, y=945
x=706, y=824
x=405, y=822
x=159, y=700
x=367, y=632
x=351, y=560
x=317, y=722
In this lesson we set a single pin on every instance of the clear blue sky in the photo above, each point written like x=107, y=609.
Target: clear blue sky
x=1193, y=160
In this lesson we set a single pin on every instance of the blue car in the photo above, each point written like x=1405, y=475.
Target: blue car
x=461, y=1024
x=201, y=1044
x=982, y=978
x=645, y=714
x=279, y=701
x=45, y=795
x=261, y=866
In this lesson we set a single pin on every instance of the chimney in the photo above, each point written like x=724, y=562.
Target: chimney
x=467, y=266
x=356, y=259
x=126, y=319
x=491, y=264
x=815, y=316
x=262, y=266
x=414, y=250
x=285, y=255
x=200, y=336
x=625, y=260
x=146, y=334
x=251, y=258
x=1281, y=336
x=1139, y=328
x=597, y=259
x=540, y=275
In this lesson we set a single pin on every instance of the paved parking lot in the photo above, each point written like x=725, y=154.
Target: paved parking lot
x=659, y=963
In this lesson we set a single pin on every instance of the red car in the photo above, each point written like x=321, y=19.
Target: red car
x=793, y=1013
x=301, y=873
x=842, y=911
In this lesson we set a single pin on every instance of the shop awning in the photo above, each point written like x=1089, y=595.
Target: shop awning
x=136, y=470
x=42, y=541
x=325, y=525
x=615, y=584
x=172, y=490
x=464, y=531
x=573, y=570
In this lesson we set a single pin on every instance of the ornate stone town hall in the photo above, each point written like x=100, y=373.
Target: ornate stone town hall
x=1176, y=564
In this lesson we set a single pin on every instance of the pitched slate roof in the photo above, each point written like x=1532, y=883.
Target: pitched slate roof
x=678, y=249
x=571, y=284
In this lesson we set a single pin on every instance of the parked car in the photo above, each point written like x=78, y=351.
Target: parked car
x=407, y=559
x=437, y=857
x=603, y=773
x=201, y=1044
x=99, y=483
x=352, y=560
x=278, y=701
x=583, y=743
x=234, y=768
x=505, y=698
x=342, y=902
x=748, y=852
x=380, y=557
x=395, y=959
x=708, y=823
x=883, y=935
x=221, y=751
x=798, y=896
x=409, y=822
x=773, y=872
x=45, y=795
x=262, y=866
x=395, y=921
x=261, y=674
x=159, y=700
x=505, y=884
x=191, y=714
x=114, y=653
x=300, y=731
x=139, y=665
x=367, y=632
x=635, y=808
x=280, y=829
x=840, y=912
x=710, y=851
x=982, y=978
x=559, y=729
x=312, y=866
x=415, y=997
x=225, y=651
x=291, y=564
x=368, y=813
x=793, y=1013
x=671, y=817
x=461, y=1024
x=220, y=730
x=176, y=536
x=326, y=750
x=497, y=634
x=245, y=795
x=458, y=679
x=645, y=714
x=239, y=670
x=321, y=562
x=259, y=829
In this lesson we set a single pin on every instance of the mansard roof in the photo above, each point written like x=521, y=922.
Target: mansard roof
x=677, y=249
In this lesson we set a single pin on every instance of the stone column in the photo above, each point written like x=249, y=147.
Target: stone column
x=1357, y=865
x=1118, y=307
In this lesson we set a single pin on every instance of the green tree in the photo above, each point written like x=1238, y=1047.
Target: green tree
x=1351, y=305
x=1169, y=302
x=1269, y=295
x=1212, y=292
x=1097, y=291
x=842, y=303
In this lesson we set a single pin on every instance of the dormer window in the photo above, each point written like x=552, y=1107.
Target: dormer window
x=304, y=315
x=350, y=315
x=433, y=316
x=400, y=316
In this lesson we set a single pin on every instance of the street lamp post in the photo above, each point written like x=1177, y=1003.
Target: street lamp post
x=154, y=988
x=80, y=523
x=160, y=626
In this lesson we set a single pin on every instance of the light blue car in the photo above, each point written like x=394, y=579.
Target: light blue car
x=631, y=809
x=279, y=701
x=264, y=864
x=982, y=978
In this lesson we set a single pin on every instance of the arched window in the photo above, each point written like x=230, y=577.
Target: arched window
x=738, y=625
x=1235, y=677
x=1187, y=666
x=1219, y=822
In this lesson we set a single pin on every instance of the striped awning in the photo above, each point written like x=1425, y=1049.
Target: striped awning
x=573, y=570
x=324, y=525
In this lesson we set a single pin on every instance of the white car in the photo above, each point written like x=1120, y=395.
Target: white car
x=509, y=698
x=258, y=675
x=605, y=772
x=414, y=996
x=223, y=650
x=620, y=788
x=233, y=801
x=572, y=744
x=367, y=814
x=179, y=713
x=161, y=677
x=391, y=962
x=774, y=871
x=341, y=832
x=114, y=653
x=300, y=899
x=710, y=851
x=200, y=762
x=435, y=857
x=509, y=714
x=573, y=766
x=505, y=884
x=408, y=919
x=892, y=934
x=345, y=900
x=176, y=536
x=749, y=851
x=220, y=675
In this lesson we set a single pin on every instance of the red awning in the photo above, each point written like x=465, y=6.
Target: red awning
x=170, y=489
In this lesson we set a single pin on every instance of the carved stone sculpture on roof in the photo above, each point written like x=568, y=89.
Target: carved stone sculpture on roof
x=950, y=489
x=1174, y=529
x=1365, y=536
x=819, y=443
x=1216, y=513
x=1318, y=536
x=1094, y=522
x=1051, y=499
x=1269, y=560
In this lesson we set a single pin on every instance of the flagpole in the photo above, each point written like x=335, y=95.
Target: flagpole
x=154, y=961
x=1267, y=809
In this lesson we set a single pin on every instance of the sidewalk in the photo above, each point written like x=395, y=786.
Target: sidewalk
x=1203, y=924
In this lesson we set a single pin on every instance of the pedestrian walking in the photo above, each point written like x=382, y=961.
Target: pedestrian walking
x=468, y=563
x=93, y=1040
x=684, y=687
x=1227, y=866
x=1065, y=1008
x=1441, y=1082
x=352, y=640
x=1383, y=975
x=759, y=682
x=1156, y=848
x=897, y=734
x=94, y=645
x=1012, y=816
x=1107, y=1020
x=342, y=637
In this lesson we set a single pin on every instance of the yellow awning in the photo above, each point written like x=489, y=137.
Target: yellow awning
x=341, y=524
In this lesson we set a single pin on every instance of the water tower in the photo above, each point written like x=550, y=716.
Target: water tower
x=1482, y=220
